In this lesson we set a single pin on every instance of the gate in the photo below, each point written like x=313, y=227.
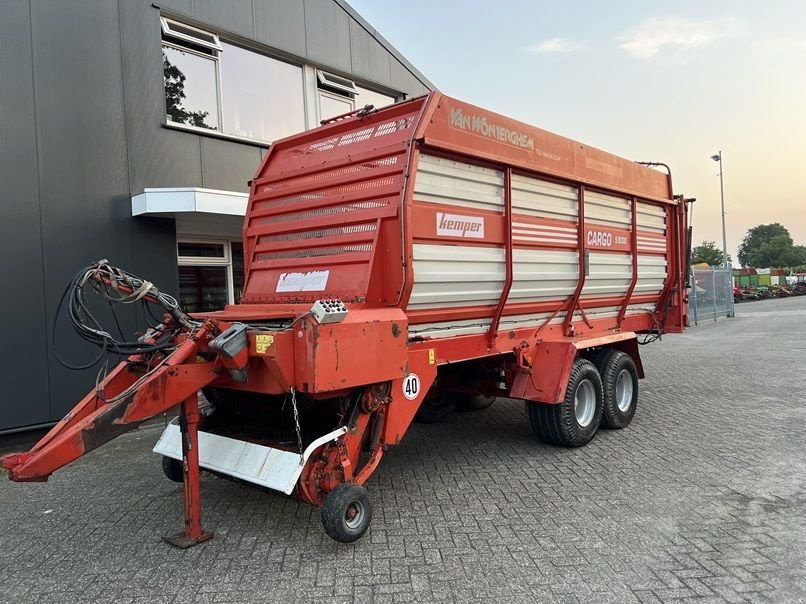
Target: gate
x=711, y=295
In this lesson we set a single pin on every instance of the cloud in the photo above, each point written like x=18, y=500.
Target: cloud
x=556, y=45
x=648, y=38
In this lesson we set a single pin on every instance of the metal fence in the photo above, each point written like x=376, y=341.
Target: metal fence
x=711, y=295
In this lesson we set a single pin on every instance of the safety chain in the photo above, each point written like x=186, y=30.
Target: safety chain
x=296, y=422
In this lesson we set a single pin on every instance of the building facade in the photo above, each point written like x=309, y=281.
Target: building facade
x=129, y=130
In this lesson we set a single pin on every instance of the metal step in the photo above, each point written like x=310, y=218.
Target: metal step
x=265, y=466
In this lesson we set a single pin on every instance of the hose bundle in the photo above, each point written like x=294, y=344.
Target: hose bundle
x=116, y=286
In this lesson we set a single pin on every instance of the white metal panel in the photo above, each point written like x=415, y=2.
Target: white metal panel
x=607, y=209
x=651, y=274
x=543, y=275
x=543, y=199
x=459, y=184
x=524, y=232
x=273, y=468
x=608, y=275
x=454, y=275
x=651, y=217
x=531, y=320
x=651, y=244
x=605, y=312
x=449, y=329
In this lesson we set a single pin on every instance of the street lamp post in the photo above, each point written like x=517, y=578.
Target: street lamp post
x=725, y=263
x=718, y=158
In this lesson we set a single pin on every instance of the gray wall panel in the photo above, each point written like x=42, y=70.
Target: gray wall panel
x=233, y=15
x=154, y=250
x=24, y=401
x=227, y=165
x=327, y=29
x=403, y=79
x=281, y=24
x=370, y=60
x=158, y=156
x=83, y=170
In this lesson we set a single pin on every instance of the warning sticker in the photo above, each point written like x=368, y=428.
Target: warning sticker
x=262, y=342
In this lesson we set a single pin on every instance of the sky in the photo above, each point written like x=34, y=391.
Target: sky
x=674, y=82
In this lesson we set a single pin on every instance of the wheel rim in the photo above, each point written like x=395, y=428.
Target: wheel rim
x=585, y=403
x=354, y=515
x=624, y=390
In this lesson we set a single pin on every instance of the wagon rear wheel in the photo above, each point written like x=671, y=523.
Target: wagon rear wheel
x=620, y=383
x=347, y=512
x=572, y=422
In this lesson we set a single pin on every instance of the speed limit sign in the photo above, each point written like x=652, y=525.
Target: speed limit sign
x=411, y=386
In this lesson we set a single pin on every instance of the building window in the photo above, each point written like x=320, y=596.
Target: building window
x=338, y=95
x=261, y=97
x=210, y=274
x=218, y=86
x=364, y=96
x=191, y=87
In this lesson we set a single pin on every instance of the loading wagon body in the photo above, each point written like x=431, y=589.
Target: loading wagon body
x=398, y=261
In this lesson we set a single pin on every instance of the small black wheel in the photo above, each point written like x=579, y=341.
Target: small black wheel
x=572, y=422
x=347, y=512
x=173, y=469
x=475, y=402
x=620, y=383
x=435, y=407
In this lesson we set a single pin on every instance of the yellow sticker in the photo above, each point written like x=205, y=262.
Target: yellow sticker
x=262, y=342
x=432, y=356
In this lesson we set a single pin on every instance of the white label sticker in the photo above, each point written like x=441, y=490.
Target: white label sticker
x=455, y=225
x=411, y=386
x=314, y=281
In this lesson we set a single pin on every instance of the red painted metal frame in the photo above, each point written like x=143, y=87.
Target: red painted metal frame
x=573, y=301
x=502, y=301
x=634, y=252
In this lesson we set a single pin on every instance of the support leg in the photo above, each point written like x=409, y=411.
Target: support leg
x=189, y=424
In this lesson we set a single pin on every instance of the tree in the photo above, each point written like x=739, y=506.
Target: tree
x=756, y=238
x=175, y=93
x=770, y=245
x=707, y=252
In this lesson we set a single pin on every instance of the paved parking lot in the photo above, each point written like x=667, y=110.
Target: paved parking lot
x=702, y=498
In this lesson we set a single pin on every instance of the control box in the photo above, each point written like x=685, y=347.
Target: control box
x=329, y=311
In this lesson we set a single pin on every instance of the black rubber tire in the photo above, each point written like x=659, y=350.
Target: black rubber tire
x=347, y=498
x=173, y=469
x=435, y=407
x=610, y=365
x=558, y=424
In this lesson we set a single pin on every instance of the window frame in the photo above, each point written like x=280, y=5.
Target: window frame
x=331, y=80
x=218, y=92
x=336, y=87
x=215, y=261
x=331, y=95
x=165, y=24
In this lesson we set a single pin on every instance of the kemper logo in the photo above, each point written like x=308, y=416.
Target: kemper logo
x=454, y=225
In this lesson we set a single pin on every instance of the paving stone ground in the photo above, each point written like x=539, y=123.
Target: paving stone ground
x=702, y=499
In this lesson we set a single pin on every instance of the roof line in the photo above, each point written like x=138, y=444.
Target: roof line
x=386, y=44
